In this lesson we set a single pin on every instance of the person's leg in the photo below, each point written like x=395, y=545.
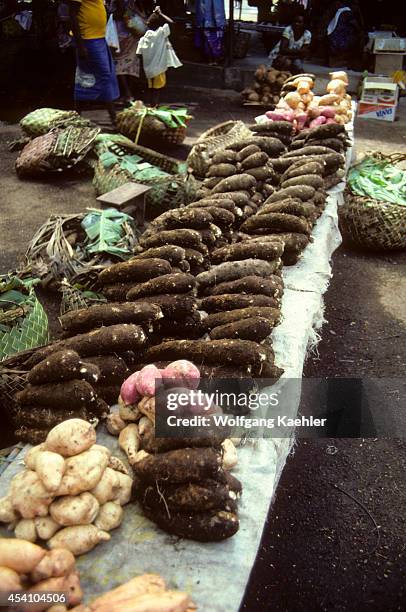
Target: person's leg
x=112, y=112
x=124, y=87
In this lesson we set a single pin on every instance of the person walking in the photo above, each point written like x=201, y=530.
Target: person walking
x=95, y=77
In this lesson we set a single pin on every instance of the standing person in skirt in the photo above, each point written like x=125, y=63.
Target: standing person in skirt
x=95, y=77
x=131, y=17
x=157, y=53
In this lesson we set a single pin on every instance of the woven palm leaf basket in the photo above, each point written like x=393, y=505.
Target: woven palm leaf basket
x=148, y=125
x=375, y=223
x=168, y=191
x=216, y=138
x=42, y=120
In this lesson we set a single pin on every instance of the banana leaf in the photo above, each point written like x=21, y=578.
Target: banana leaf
x=377, y=177
x=105, y=230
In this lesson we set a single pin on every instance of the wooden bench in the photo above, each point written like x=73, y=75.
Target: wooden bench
x=129, y=198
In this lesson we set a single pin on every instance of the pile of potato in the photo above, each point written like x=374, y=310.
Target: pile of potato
x=28, y=568
x=70, y=493
x=267, y=86
x=299, y=105
x=143, y=593
x=182, y=484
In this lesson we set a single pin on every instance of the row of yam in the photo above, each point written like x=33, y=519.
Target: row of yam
x=209, y=270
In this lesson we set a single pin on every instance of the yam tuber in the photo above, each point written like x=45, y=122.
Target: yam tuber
x=181, y=465
x=138, y=270
x=89, y=318
x=167, y=283
x=233, y=270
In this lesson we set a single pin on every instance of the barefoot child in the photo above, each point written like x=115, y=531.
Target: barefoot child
x=157, y=53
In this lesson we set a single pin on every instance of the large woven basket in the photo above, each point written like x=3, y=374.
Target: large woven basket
x=216, y=138
x=373, y=224
x=166, y=192
x=29, y=331
x=55, y=151
x=148, y=129
x=42, y=120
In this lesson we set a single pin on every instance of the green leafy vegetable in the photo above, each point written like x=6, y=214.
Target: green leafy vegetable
x=377, y=177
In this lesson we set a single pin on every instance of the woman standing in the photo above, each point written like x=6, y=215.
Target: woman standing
x=210, y=25
x=131, y=18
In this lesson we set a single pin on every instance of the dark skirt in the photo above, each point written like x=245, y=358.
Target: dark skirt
x=95, y=78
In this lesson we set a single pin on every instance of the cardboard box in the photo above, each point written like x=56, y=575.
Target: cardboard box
x=379, y=99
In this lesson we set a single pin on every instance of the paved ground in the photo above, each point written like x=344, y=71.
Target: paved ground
x=335, y=535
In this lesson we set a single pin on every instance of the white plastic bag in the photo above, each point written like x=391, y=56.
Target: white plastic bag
x=112, y=35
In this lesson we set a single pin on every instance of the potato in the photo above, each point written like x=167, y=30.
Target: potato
x=129, y=441
x=31, y=455
x=83, y=472
x=25, y=530
x=79, y=539
x=50, y=468
x=57, y=562
x=75, y=510
x=7, y=512
x=126, y=483
x=70, y=437
x=46, y=527
x=110, y=516
x=29, y=496
x=230, y=458
x=20, y=555
x=9, y=580
x=108, y=486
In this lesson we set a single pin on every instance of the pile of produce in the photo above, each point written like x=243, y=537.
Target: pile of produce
x=27, y=568
x=299, y=105
x=182, y=484
x=60, y=387
x=148, y=592
x=266, y=88
x=70, y=493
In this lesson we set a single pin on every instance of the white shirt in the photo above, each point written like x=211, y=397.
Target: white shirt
x=157, y=52
x=293, y=43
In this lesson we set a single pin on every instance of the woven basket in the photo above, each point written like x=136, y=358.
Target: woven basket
x=373, y=224
x=55, y=151
x=43, y=120
x=166, y=192
x=30, y=331
x=216, y=138
x=75, y=299
x=151, y=130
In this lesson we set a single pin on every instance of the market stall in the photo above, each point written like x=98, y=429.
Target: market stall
x=215, y=572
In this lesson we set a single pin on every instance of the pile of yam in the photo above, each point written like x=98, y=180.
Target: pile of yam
x=182, y=483
x=70, y=493
x=266, y=87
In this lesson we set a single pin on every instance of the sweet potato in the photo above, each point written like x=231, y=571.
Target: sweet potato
x=83, y=471
x=46, y=528
x=173, y=306
x=240, y=251
x=272, y=286
x=99, y=315
x=275, y=222
x=222, y=170
x=180, y=465
x=56, y=562
x=204, y=527
x=181, y=237
x=70, y=438
x=302, y=192
x=291, y=206
x=72, y=394
x=257, y=328
x=134, y=270
x=237, y=352
x=223, y=318
x=233, y=301
x=19, y=555
x=79, y=539
x=224, y=157
x=110, y=516
x=29, y=496
x=168, y=283
x=172, y=253
x=235, y=183
x=189, y=497
x=233, y=270
x=131, y=592
x=69, y=510
x=313, y=180
x=10, y=580
x=25, y=530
